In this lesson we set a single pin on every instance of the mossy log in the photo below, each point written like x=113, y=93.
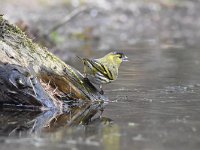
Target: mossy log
x=32, y=76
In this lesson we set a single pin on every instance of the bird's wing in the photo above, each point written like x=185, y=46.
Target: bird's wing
x=102, y=69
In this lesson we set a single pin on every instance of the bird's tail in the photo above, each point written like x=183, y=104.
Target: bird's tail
x=80, y=58
x=83, y=60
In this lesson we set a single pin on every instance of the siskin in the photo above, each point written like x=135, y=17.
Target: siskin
x=103, y=70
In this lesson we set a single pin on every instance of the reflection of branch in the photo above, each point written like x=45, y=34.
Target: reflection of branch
x=36, y=122
x=67, y=18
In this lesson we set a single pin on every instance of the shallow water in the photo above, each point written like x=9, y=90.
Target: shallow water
x=156, y=100
x=153, y=105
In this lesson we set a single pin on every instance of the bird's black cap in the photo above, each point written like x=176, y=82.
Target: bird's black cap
x=120, y=54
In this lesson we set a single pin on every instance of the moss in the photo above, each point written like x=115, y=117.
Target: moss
x=18, y=33
x=27, y=42
x=30, y=44
x=16, y=30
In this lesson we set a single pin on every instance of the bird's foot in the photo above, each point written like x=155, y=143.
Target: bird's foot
x=101, y=92
x=85, y=79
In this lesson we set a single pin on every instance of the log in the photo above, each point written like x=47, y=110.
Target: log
x=31, y=76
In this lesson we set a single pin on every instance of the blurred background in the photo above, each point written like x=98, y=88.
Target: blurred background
x=106, y=24
x=154, y=104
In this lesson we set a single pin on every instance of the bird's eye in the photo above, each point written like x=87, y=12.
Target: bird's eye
x=120, y=56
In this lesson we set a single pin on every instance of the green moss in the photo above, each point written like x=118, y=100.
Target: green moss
x=30, y=44
x=18, y=33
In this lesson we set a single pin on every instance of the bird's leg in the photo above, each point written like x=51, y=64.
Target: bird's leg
x=84, y=70
x=101, y=90
x=101, y=112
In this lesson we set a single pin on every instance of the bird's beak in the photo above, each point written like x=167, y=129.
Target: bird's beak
x=125, y=58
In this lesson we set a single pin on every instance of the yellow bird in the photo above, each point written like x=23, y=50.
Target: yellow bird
x=103, y=70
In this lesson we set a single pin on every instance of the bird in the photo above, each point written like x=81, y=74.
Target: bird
x=103, y=70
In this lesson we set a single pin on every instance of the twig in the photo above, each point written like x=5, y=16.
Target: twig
x=67, y=18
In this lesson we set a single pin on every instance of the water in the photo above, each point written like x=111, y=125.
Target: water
x=153, y=105
x=156, y=100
